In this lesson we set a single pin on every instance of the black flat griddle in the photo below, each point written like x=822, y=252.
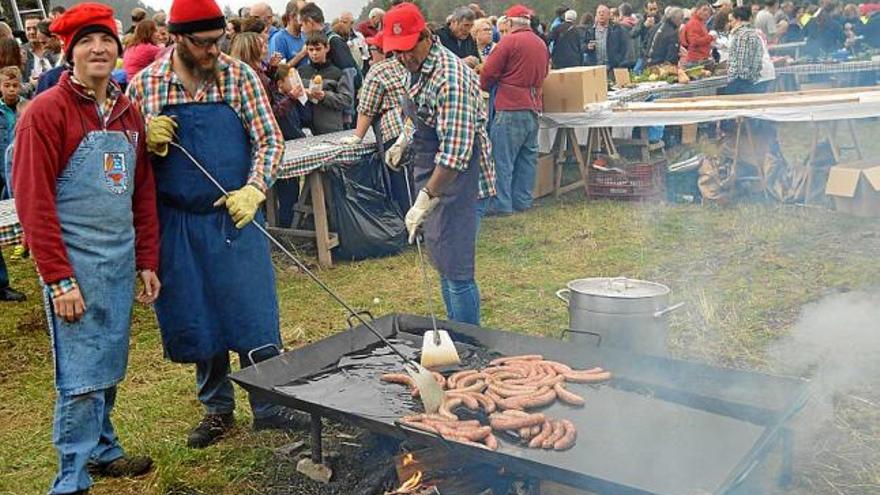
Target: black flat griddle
x=661, y=426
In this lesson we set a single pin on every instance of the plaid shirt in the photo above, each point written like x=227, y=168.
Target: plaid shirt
x=105, y=109
x=66, y=285
x=384, y=87
x=447, y=96
x=746, y=54
x=238, y=86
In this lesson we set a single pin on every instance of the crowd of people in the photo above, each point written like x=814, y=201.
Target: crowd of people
x=104, y=132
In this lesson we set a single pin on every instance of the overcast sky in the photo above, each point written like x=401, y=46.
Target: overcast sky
x=332, y=8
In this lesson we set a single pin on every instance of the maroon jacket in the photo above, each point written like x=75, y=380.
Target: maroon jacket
x=46, y=137
x=518, y=66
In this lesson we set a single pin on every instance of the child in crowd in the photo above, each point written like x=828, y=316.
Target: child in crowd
x=329, y=93
x=11, y=107
x=291, y=117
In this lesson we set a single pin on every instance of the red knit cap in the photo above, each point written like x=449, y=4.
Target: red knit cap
x=83, y=19
x=192, y=16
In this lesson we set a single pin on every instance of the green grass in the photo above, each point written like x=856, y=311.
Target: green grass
x=744, y=271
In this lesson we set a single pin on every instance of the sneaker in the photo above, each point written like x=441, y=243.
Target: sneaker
x=9, y=294
x=210, y=429
x=123, y=467
x=284, y=419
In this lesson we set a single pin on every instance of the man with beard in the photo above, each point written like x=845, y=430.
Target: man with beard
x=219, y=286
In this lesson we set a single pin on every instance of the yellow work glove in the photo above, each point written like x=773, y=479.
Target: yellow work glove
x=242, y=204
x=160, y=132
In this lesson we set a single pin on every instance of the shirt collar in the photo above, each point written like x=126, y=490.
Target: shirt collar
x=113, y=91
x=433, y=56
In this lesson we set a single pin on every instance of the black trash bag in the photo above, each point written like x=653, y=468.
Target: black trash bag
x=368, y=222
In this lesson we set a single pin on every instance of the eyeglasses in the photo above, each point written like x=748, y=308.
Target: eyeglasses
x=205, y=42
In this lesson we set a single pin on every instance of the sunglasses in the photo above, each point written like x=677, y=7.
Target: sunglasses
x=205, y=42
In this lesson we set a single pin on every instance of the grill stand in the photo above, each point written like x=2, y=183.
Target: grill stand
x=317, y=451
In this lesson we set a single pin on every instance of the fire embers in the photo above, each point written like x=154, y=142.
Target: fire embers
x=506, y=391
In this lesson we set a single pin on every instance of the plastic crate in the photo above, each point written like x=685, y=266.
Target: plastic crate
x=683, y=187
x=638, y=181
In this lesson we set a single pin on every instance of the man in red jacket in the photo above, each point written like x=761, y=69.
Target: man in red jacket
x=516, y=69
x=695, y=37
x=86, y=198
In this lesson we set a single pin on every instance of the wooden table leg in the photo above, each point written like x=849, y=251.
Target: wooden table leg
x=322, y=228
x=855, y=139
x=271, y=208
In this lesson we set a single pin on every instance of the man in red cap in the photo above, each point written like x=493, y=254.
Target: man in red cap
x=218, y=281
x=86, y=197
x=516, y=69
x=451, y=160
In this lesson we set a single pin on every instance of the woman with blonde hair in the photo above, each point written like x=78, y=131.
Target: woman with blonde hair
x=482, y=33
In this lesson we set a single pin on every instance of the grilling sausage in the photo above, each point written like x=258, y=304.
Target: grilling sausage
x=491, y=442
x=467, y=400
x=447, y=406
x=567, y=396
x=558, y=432
x=455, y=377
x=399, y=378
x=538, y=440
x=568, y=437
x=586, y=377
x=525, y=357
x=506, y=422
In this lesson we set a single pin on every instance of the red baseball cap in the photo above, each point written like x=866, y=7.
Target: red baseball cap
x=401, y=28
x=519, y=10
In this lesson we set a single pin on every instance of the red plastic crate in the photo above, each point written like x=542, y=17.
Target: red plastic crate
x=638, y=181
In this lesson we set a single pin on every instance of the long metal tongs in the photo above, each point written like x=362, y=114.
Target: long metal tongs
x=437, y=348
x=430, y=391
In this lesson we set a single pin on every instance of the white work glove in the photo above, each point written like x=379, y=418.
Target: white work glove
x=350, y=140
x=419, y=211
x=394, y=154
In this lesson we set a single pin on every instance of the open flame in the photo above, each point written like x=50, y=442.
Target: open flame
x=411, y=484
x=408, y=459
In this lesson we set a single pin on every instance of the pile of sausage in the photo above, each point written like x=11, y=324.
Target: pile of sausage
x=506, y=390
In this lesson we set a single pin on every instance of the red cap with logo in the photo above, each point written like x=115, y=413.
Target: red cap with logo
x=401, y=28
x=519, y=10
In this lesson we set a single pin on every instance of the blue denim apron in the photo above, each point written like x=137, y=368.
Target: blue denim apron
x=218, y=284
x=451, y=229
x=93, y=199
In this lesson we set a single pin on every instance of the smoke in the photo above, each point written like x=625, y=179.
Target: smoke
x=836, y=344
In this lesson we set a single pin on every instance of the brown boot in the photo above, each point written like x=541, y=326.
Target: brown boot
x=210, y=430
x=123, y=467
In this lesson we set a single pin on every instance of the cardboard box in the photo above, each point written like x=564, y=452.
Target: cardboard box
x=689, y=134
x=544, y=179
x=855, y=188
x=572, y=89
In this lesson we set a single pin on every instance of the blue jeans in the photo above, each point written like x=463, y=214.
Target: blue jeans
x=215, y=390
x=4, y=275
x=462, y=299
x=83, y=435
x=515, y=149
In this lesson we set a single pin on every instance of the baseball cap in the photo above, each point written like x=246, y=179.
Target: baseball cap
x=401, y=28
x=520, y=10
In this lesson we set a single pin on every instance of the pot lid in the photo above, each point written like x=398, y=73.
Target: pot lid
x=619, y=287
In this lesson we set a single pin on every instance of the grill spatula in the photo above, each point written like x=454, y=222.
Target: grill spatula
x=430, y=391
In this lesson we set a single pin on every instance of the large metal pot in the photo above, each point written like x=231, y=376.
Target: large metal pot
x=619, y=312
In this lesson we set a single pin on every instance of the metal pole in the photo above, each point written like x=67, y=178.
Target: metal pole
x=317, y=454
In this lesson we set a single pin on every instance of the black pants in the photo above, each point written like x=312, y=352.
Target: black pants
x=287, y=192
x=4, y=275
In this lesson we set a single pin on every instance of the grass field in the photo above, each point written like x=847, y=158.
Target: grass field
x=745, y=272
